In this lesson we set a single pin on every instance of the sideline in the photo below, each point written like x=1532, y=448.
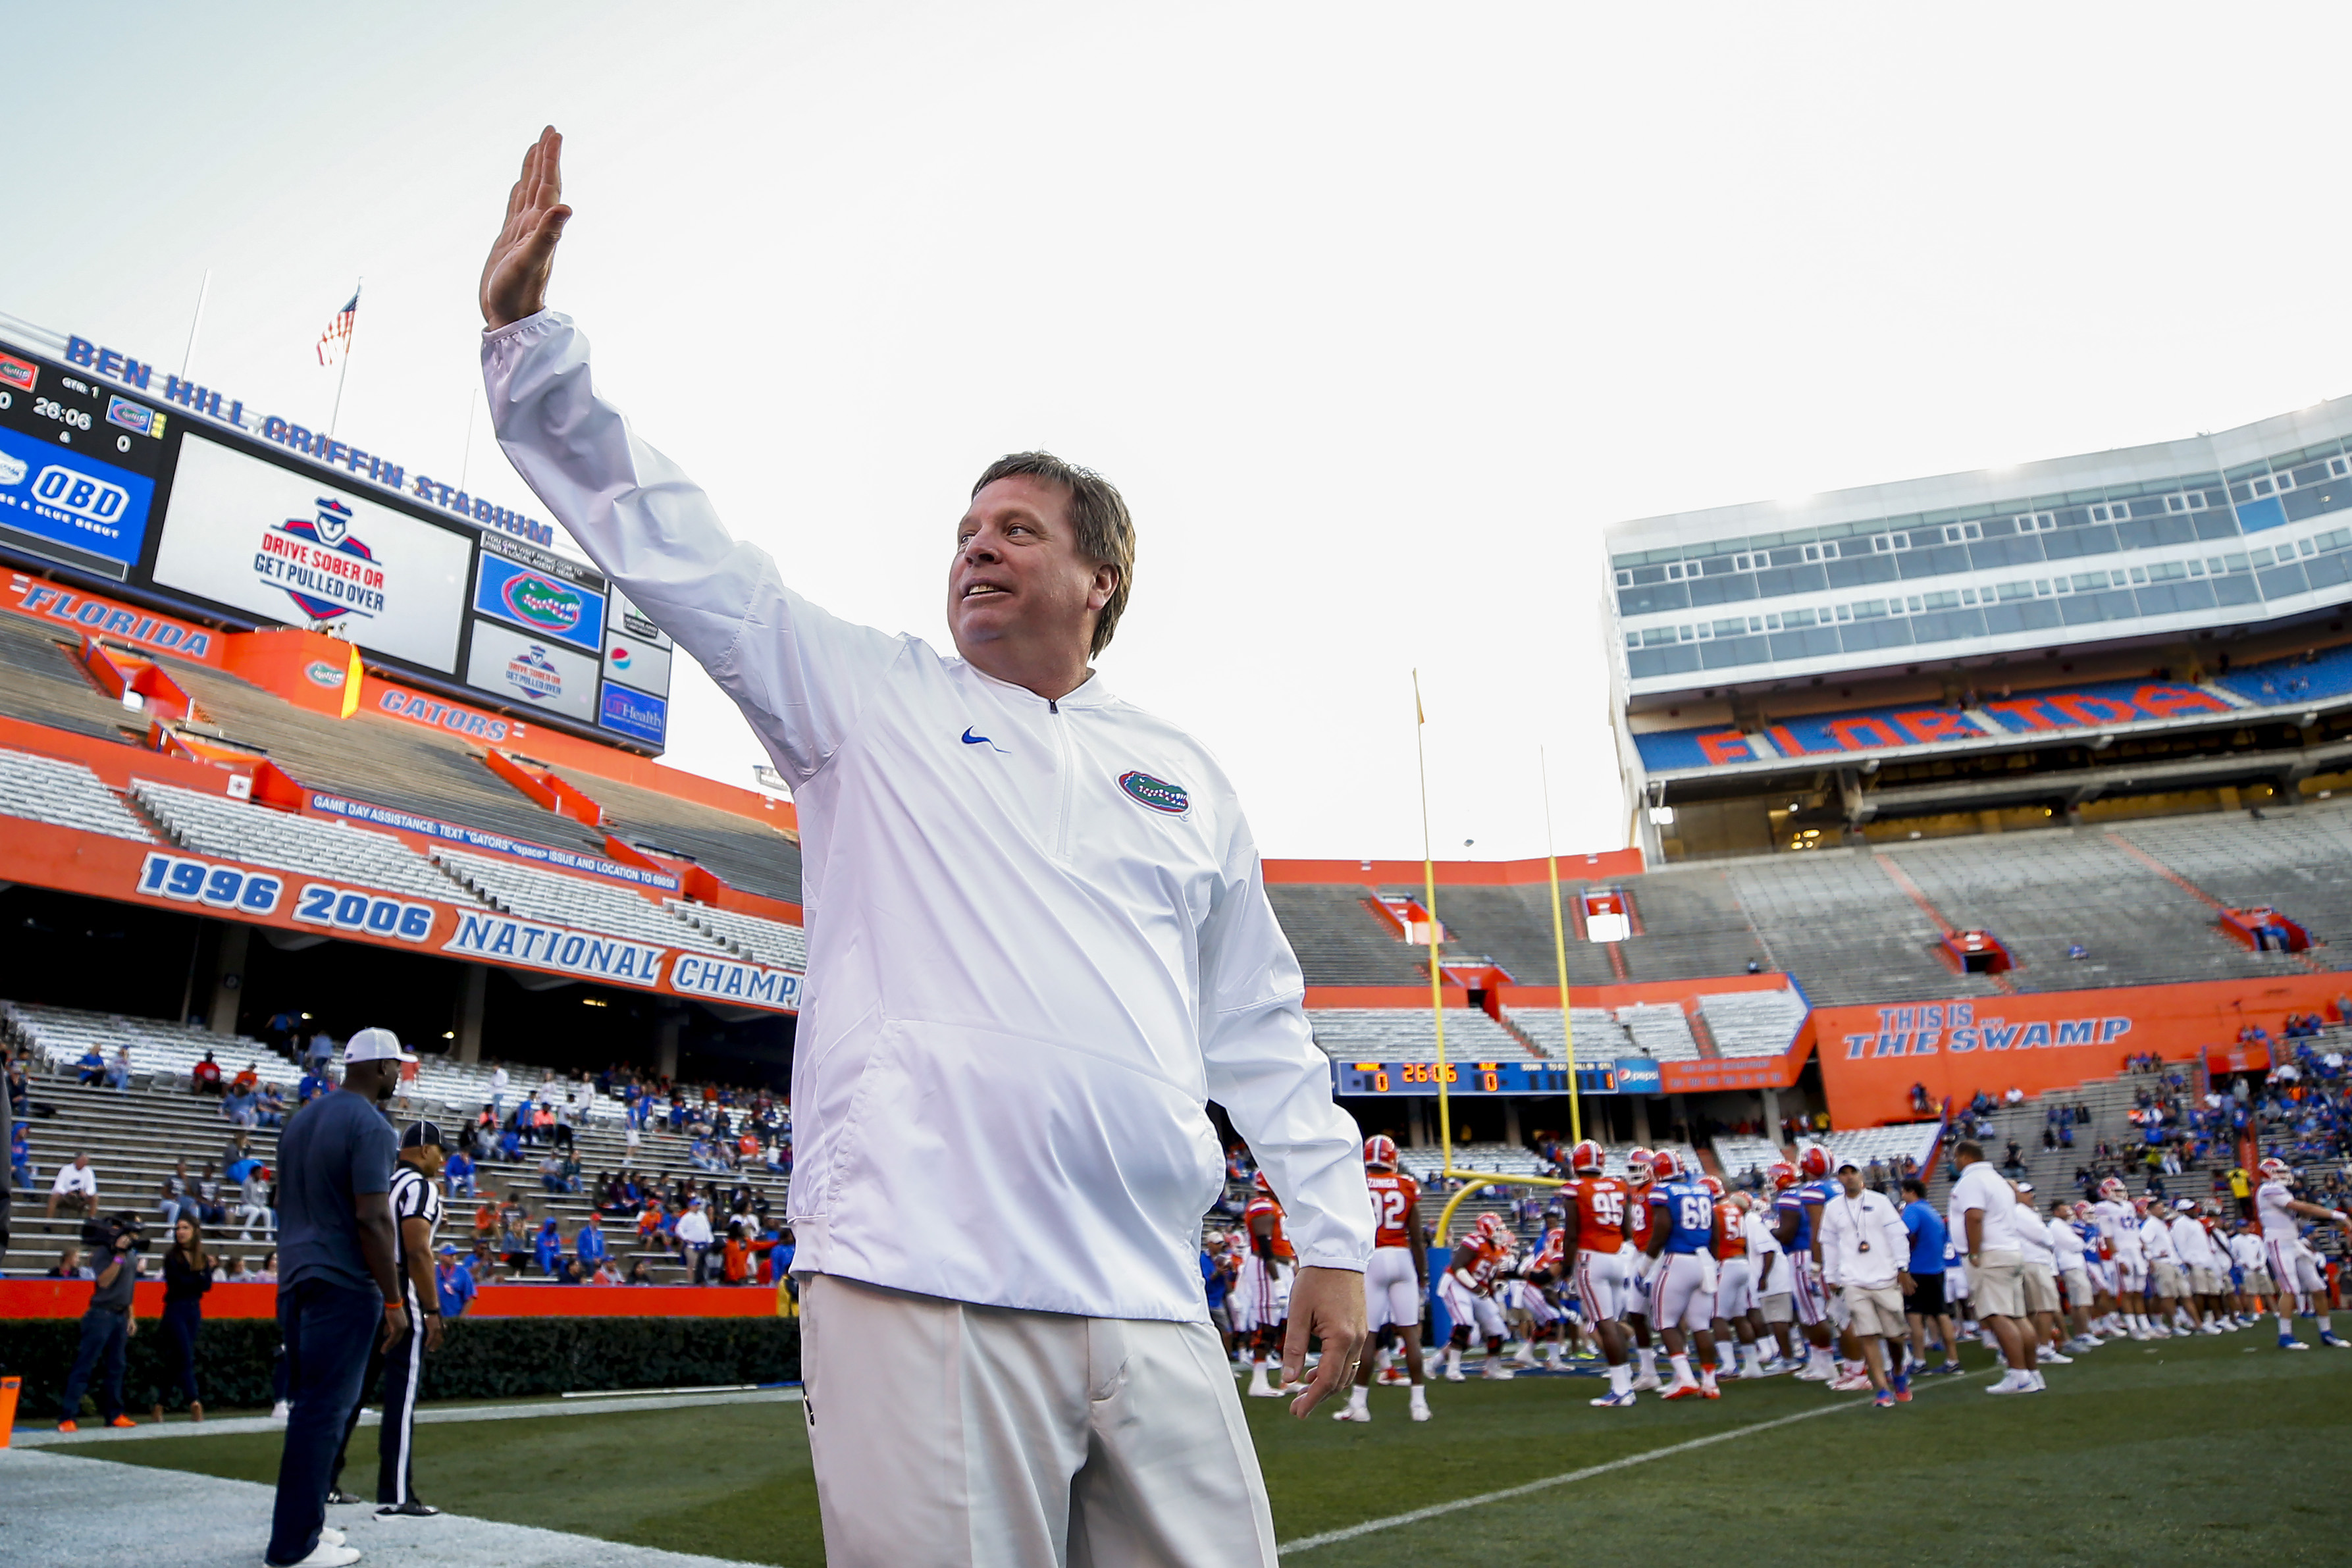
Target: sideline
x=1437, y=1510
x=618, y=1404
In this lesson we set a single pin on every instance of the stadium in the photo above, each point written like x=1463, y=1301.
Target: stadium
x=1954, y=805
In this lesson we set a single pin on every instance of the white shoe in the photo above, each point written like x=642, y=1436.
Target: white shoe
x=1499, y=1373
x=1352, y=1413
x=1854, y=1383
x=2051, y=1358
x=325, y=1556
x=2037, y=1386
x=1420, y=1412
x=330, y=1535
x=1263, y=1391
x=1646, y=1381
x=2009, y=1384
x=1453, y=1376
x=281, y=1411
x=1812, y=1373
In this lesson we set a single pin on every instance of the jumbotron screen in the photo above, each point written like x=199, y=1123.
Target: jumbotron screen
x=196, y=514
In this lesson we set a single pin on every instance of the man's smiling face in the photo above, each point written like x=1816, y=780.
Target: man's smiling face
x=1018, y=586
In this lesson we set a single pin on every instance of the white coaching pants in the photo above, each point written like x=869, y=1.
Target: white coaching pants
x=945, y=1435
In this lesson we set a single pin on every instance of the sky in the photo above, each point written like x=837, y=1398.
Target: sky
x=1377, y=315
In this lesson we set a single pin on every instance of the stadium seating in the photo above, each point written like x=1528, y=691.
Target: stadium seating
x=160, y=1053
x=2140, y=927
x=1406, y=1034
x=1661, y=1031
x=582, y=902
x=47, y=789
x=1913, y=1140
x=1752, y=1023
x=1694, y=925
x=1512, y=926
x=1339, y=941
x=748, y=854
x=2279, y=682
x=41, y=684
x=259, y=835
x=1737, y=1156
x=2299, y=860
x=374, y=757
x=771, y=943
x=1842, y=927
x=1600, y=1037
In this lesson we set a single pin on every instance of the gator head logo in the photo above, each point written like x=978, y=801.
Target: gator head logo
x=539, y=601
x=1168, y=799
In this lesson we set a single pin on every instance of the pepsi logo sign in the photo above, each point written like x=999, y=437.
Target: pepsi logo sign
x=93, y=501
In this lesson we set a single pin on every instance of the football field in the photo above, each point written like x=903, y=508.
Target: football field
x=2221, y=1449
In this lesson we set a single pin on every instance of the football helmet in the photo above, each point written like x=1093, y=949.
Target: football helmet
x=1639, y=1166
x=2113, y=1191
x=1259, y=1182
x=2274, y=1169
x=2139, y=1206
x=1665, y=1164
x=1588, y=1159
x=1814, y=1162
x=1714, y=1184
x=1782, y=1175
x=1380, y=1152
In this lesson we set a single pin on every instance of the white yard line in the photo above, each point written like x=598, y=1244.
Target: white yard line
x=1438, y=1509
x=42, y=1437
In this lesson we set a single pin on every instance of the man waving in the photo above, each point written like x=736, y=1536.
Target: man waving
x=1038, y=944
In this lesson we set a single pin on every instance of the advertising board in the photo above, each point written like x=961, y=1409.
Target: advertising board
x=534, y=671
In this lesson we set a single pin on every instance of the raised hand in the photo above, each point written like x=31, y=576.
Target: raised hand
x=514, y=278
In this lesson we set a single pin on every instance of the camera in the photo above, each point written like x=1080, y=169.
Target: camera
x=99, y=1233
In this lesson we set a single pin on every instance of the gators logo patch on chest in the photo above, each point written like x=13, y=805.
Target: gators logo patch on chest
x=1158, y=795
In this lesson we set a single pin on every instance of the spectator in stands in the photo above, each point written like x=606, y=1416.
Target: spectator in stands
x=20, y=1154
x=694, y=1239
x=589, y=1245
x=270, y=1110
x=639, y=1274
x=204, y=1077
x=248, y=1080
x=546, y=1247
x=453, y=1283
x=206, y=1191
x=92, y=1067
x=241, y=1272
x=265, y=1272
x=20, y=1092
x=187, y=1275
x=551, y=1173
x=254, y=1205
x=117, y=1072
x=459, y=1172
x=321, y=1052
x=242, y=1106
x=703, y=1157
x=69, y=1266
x=309, y=1088
x=75, y=1189
x=177, y=1192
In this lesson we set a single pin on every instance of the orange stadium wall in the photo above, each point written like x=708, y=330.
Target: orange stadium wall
x=1608, y=864
x=1872, y=1056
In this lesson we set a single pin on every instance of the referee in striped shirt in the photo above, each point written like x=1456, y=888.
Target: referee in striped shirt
x=417, y=1214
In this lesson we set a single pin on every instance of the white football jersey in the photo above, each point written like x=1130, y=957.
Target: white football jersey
x=2270, y=1207
x=2119, y=1225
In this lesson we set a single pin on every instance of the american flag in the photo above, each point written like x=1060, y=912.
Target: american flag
x=337, y=339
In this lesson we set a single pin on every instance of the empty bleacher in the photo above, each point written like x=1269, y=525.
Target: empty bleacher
x=1600, y=1037
x=49, y=789
x=1735, y=1156
x=161, y=1052
x=772, y=943
x=373, y=757
x=1889, y=1145
x=1752, y=1023
x=749, y=854
x=1695, y=924
x=1407, y=1035
x=2298, y=860
x=1842, y=926
x=41, y=684
x=261, y=835
x=579, y=902
x=1660, y=1030
x=2140, y=927
x=1339, y=941
x=1512, y=926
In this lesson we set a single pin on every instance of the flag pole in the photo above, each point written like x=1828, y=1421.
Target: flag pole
x=1429, y=908
x=196, y=324
x=344, y=374
x=1560, y=958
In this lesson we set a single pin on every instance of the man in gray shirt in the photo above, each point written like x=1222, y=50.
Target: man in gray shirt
x=337, y=1287
x=106, y=1330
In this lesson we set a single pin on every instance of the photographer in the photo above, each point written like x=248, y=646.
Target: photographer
x=106, y=1326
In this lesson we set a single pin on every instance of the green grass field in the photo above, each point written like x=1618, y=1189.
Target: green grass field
x=2201, y=1452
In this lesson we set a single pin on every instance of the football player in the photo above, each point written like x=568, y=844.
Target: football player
x=1775, y=1305
x=1466, y=1289
x=1734, y=1300
x=2294, y=1270
x=1683, y=1285
x=2119, y=1228
x=1396, y=1281
x=1640, y=1175
x=1797, y=1214
x=1599, y=1203
x=1262, y=1293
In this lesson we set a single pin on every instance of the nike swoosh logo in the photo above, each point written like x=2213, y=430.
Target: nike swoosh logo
x=971, y=740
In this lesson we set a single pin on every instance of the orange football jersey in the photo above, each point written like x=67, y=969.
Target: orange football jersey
x=1601, y=1217
x=1395, y=1197
x=1730, y=1231
x=1266, y=1203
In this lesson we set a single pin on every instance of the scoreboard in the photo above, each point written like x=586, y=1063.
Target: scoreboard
x=1472, y=1077
x=186, y=508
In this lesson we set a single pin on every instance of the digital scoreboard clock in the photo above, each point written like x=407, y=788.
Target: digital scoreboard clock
x=1349, y=1077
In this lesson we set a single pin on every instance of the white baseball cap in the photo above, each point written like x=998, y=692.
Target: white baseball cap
x=375, y=1046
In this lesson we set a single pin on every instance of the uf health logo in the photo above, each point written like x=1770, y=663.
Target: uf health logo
x=1935, y=1028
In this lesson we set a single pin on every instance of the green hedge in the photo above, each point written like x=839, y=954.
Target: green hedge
x=480, y=1358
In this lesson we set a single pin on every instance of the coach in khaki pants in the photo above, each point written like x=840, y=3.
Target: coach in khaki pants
x=1038, y=942
x=1983, y=1215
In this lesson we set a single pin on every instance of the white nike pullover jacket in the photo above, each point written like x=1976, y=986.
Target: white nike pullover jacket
x=1038, y=940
